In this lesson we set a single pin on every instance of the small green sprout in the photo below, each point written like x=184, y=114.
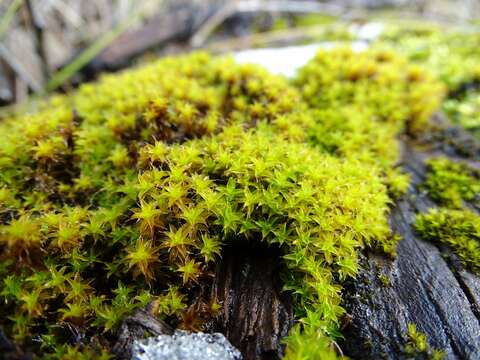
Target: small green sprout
x=170, y=303
x=149, y=217
x=178, y=242
x=190, y=271
x=22, y=237
x=49, y=150
x=32, y=303
x=210, y=248
x=417, y=346
x=119, y=157
x=74, y=313
x=385, y=280
x=67, y=236
x=142, y=257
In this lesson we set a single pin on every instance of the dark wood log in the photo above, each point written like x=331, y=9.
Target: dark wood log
x=138, y=326
x=256, y=314
x=427, y=285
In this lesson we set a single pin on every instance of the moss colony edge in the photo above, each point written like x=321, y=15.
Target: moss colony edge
x=124, y=193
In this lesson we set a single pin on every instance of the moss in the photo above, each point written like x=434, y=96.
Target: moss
x=465, y=111
x=389, y=88
x=418, y=348
x=385, y=280
x=124, y=193
x=359, y=106
x=452, y=55
x=318, y=27
x=458, y=229
x=357, y=101
x=310, y=345
x=452, y=183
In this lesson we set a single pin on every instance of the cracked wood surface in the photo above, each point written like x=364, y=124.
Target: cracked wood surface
x=256, y=314
x=428, y=287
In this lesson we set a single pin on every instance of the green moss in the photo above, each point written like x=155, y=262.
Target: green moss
x=465, y=111
x=310, y=345
x=358, y=102
x=451, y=183
x=452, y=55
x=378, y=80
x=417, y=346
x=385, y=280
x=458, y=229
x=124, y=193
x=317, y=27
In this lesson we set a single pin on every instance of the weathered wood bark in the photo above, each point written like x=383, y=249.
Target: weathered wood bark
x=256, y=315
x=427, y=286
x=138, y=326
x=10, y=351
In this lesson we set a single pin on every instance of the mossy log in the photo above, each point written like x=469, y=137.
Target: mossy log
x=424, y=285
x=153, y=236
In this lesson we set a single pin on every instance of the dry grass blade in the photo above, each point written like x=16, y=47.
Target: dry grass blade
x=93, y=50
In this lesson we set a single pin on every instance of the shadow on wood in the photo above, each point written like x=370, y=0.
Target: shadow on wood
x=425, y=284
x=256, y=314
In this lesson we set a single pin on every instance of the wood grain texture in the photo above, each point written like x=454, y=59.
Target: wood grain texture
x=427, y=286
x=256, y=315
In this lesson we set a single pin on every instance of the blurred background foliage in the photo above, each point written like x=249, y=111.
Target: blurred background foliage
x=51, y=44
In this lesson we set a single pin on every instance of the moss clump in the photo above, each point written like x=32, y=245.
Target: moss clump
x=101, y=211
x=458, y=229
x=417, y=346
x=357, y=101
x=377, y=80
x=363, y=101
x=451, y=183
x=452, y=55
x=124, y=193
x=465, y=111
